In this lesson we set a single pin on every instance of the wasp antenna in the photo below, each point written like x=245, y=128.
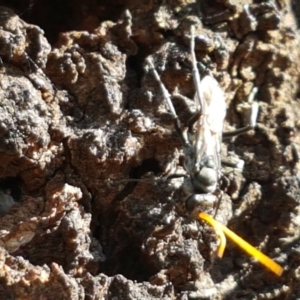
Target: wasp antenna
x=262, y=258
x=196, y=75
x=218, y=229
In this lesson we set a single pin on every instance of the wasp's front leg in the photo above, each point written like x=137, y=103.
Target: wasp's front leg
x=167, y=97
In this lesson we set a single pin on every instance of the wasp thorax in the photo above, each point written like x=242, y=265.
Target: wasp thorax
x=206, y=180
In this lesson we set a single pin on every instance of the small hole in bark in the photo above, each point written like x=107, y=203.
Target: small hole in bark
x=135, y=62
x=13, y=186
x=130, y=263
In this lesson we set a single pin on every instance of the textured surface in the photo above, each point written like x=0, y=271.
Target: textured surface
x=80, y=116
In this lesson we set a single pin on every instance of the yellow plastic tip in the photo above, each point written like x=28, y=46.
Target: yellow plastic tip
x=220, y=233
x=262, y=258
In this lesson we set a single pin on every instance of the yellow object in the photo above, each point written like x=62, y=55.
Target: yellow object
x=221, y=229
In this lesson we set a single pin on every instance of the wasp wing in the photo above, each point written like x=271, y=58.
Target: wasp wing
x=209, y=126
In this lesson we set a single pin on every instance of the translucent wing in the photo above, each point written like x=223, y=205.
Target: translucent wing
x=210, y=124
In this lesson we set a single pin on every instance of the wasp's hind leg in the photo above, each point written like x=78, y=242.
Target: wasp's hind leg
x=236, y=162
x=252, y=120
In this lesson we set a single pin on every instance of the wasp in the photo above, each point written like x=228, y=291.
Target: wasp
x=201, y=144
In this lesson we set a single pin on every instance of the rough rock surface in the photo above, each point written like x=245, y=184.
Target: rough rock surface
x=81, y=116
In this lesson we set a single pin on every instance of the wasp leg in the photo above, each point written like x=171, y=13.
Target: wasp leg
x=252, y=121
x=155, y=180
x=145, y=180
x=192, y=121
x=218, y=203
x=190, y=107
x=169, y=102
x=151, y=180
x=174, y=176
x=233, y=162
x=196, y=75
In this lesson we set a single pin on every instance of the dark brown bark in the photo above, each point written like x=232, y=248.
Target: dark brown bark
x=82, y=115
